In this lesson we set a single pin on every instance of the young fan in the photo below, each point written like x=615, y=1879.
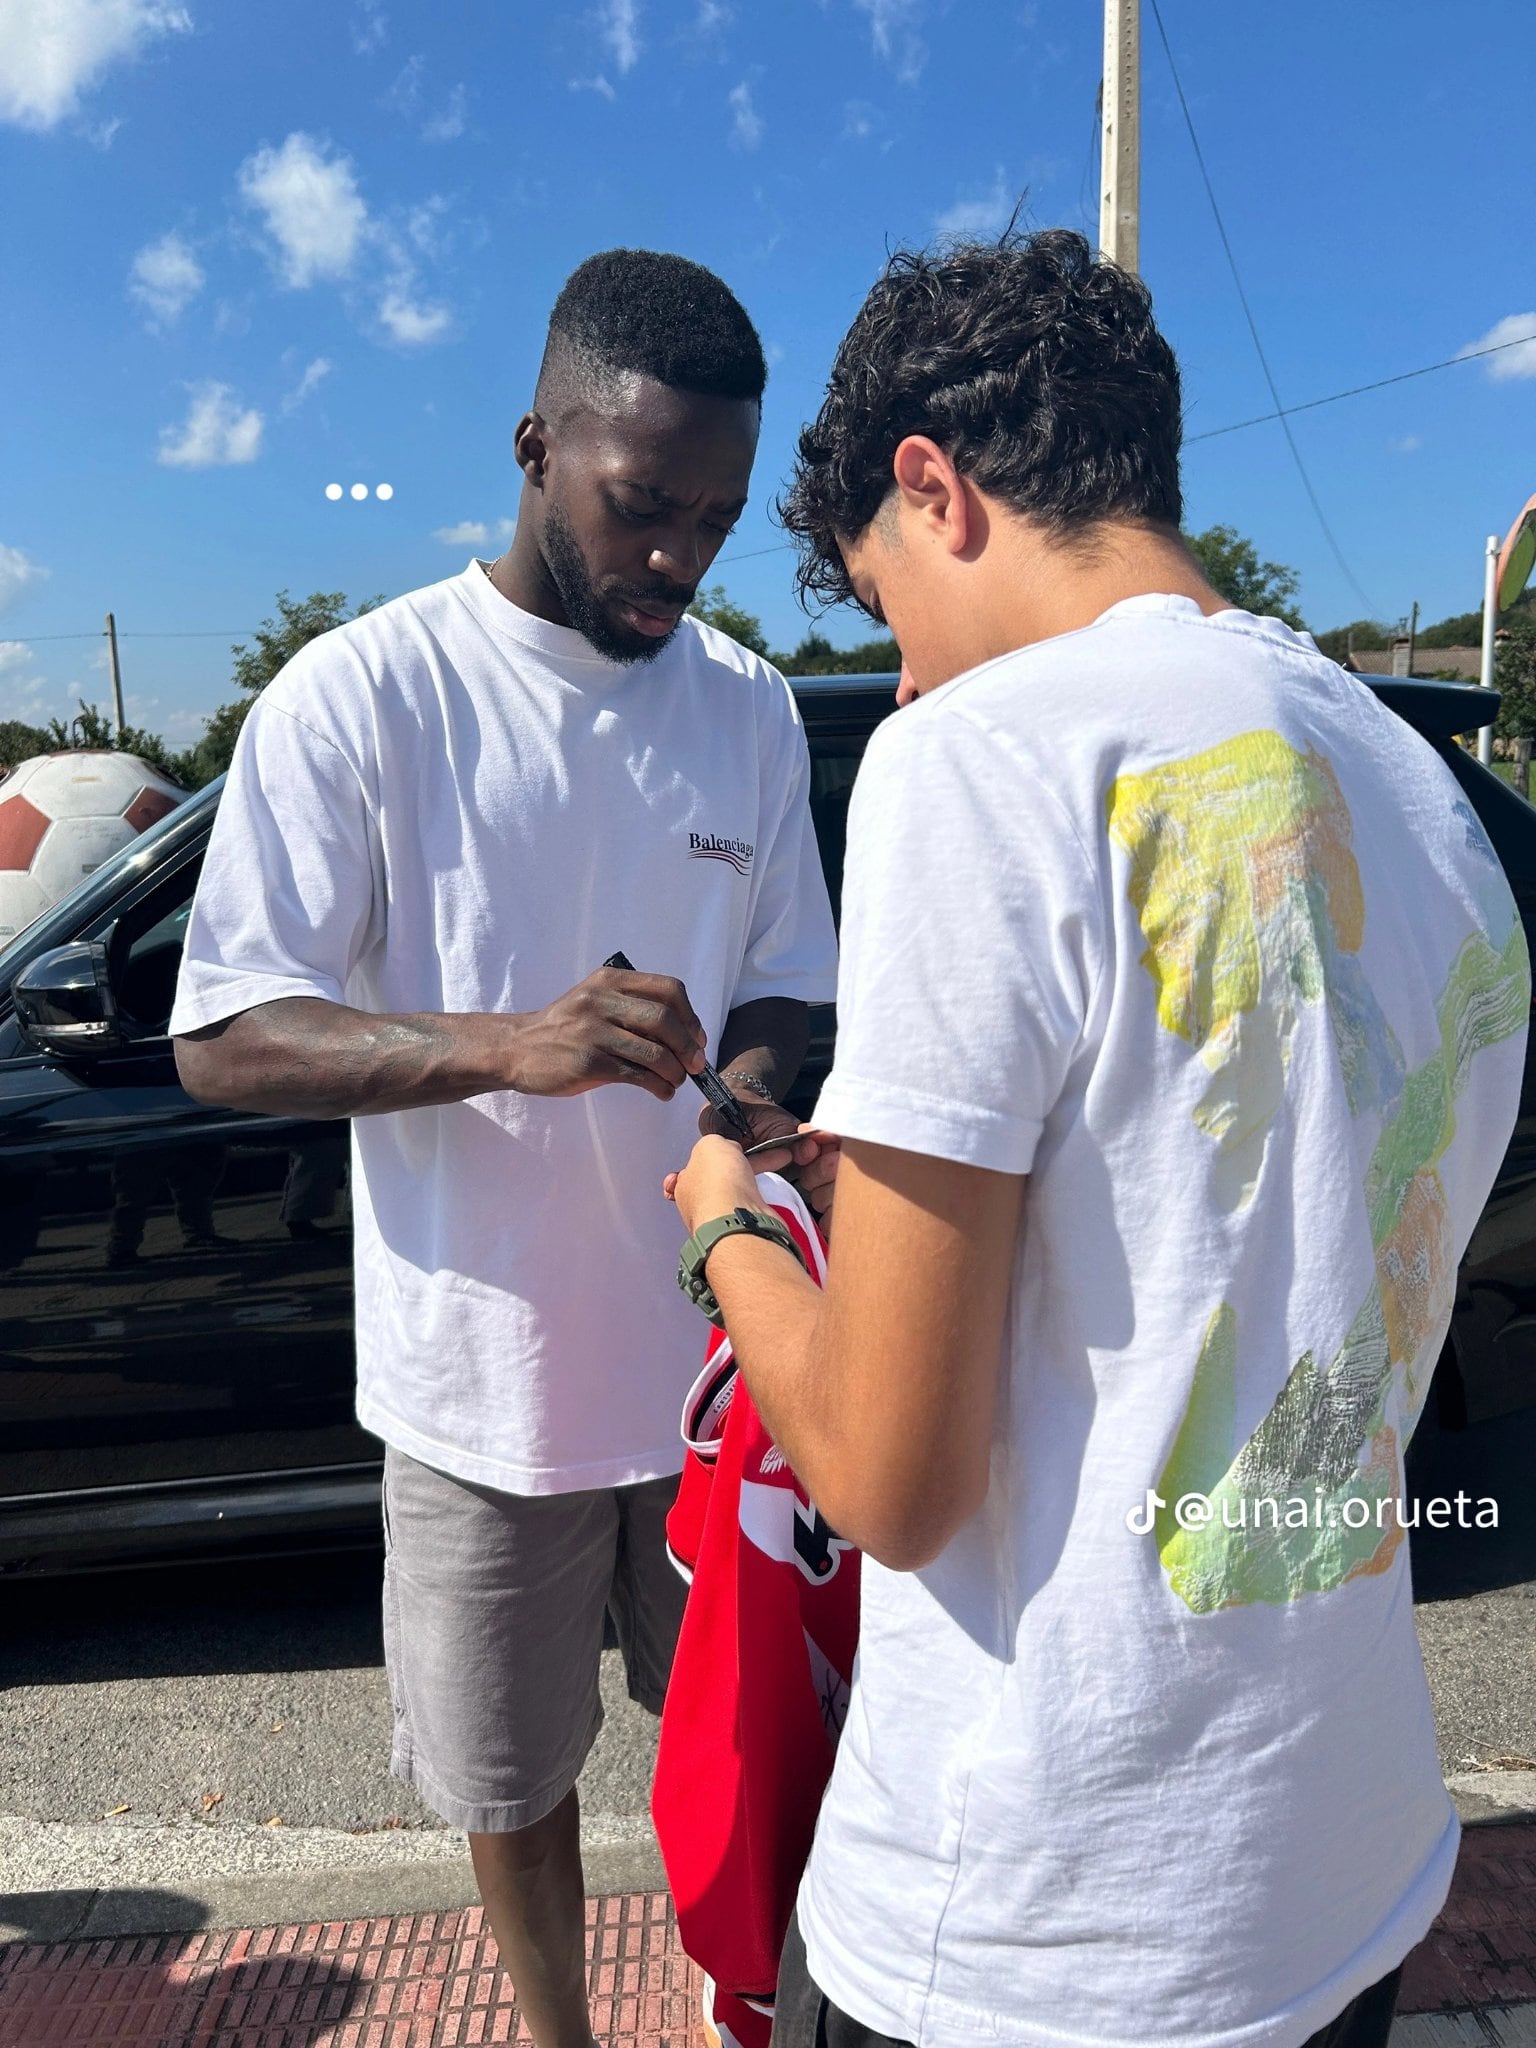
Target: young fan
x=1181, y=1018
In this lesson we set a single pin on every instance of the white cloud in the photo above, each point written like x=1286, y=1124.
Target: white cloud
x=987, y=214
x=746, y=121
x=599, y=85
x=52, y=51
x=407, y=95
x=18, y=573
x=424, y=228
x=1405, y=444
x=165, y=278
x=409, y=323
x=619, y=27
x=475, y=533
x=370, y=28
x=712, y=16
x=310, y=204
x=1511, y=362
x=32, y=698
x=321, y=228
x=860, y=120
x=178, y=728
x=894, y=28
x=14, y=654
x=404, y=93
x=214, y=433
x=451, y=119
x=316, y=373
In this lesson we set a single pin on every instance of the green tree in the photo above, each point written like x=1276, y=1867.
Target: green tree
x=1232, y=566
x=1514, y=676
x=1338, y=640
x=20, y=742
x=816, y=656
x=273, y=645
x=715, y=609
x=1465, y=629
x=298, y=621
x=211, y=754
x=91, y=728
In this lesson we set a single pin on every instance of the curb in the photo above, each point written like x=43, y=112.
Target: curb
x=1484, y=1798
x=312, y=1875
x=179, y=1879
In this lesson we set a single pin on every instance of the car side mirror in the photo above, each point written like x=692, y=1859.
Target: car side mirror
x=64, y=1002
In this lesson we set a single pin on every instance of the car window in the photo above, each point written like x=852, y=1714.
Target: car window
x=146, y=954
x=834, y=764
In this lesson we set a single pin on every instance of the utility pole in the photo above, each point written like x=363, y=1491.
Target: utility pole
x=1490, y=627
x=1120, y=188
x=117, y=675
x=1413, y=633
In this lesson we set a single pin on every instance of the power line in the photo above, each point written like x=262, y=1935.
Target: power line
x=777, y=549
x=1466, y=355
x=38, y=638
x=1259, y=419
x=1253, y=329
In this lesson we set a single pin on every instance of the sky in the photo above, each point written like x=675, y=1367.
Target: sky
x=249, y=252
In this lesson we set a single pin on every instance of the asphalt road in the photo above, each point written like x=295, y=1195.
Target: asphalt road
x=234, y=1696
x=257, y=1688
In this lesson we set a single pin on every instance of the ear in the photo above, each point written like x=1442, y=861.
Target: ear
x=530, y=447
x=932, y=491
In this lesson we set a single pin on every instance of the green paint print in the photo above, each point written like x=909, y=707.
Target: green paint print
x=1249, y=896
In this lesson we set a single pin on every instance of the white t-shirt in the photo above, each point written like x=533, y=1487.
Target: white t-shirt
x=452, y=805
x=1172, y=916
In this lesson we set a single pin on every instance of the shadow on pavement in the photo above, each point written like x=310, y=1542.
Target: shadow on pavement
x=171, y=1991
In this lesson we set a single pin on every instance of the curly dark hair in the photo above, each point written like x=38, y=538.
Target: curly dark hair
x=659, y=315
x=1039, y=371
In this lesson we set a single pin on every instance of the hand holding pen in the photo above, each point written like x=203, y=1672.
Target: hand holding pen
x=704, y=1078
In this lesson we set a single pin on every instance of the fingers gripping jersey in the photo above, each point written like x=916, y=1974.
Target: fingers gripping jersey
x=760, y=1682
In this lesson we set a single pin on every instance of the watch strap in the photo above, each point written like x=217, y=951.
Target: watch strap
x=741, y=1222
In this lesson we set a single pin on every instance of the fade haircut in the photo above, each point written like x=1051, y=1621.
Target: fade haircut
x=1038, y=371
x=641, y=312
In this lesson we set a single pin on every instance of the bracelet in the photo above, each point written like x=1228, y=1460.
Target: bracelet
x=751, y=1081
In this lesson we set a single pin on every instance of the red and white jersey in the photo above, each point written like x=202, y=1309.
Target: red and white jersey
x=760, y=1681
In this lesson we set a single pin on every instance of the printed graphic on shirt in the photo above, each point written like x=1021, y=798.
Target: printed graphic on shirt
x=1245, y=882
x=736, y=853
x=1250, y=899
x=788, y=1529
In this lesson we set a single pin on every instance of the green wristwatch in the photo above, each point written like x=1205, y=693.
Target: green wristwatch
x=740, y=1222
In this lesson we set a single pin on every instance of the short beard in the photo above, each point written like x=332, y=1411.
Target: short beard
x=580, y=602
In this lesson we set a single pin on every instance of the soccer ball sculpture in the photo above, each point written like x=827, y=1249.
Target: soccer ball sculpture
x=61, y=815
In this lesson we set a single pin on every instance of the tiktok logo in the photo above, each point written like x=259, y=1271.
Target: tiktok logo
x=1141, y=1521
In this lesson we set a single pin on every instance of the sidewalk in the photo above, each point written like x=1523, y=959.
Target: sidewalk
x=426, y=1980
x=429, y=1980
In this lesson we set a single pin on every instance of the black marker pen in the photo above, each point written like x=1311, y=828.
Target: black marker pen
x=708, y=1082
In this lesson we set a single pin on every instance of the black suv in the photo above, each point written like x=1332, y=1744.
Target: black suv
x=176, y=1317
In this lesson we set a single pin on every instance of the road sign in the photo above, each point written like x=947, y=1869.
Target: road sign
x=1517, y=557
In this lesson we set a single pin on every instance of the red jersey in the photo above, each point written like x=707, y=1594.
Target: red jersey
x=760, y=1681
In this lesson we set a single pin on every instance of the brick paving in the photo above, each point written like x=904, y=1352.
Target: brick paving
x=430, y=1980
x=424, y=1980
x=1482, y=1949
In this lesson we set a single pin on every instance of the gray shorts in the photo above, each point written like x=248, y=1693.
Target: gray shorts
x=493, y=1628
